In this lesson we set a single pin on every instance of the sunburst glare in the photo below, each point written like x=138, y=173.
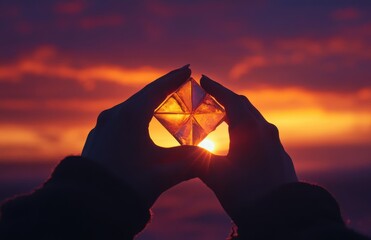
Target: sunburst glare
x=207, y=144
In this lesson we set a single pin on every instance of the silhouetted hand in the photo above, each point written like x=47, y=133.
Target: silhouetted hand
x=120, y=142
x=256, y=163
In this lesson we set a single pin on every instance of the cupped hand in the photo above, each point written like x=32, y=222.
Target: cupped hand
x=120, y=142
x=256, y=162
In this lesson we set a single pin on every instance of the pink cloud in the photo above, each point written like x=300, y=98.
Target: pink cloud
x=300, y=51
x=325, y=47
x=24, y=27
x=251, y=43
x=10, y=11
x=44, y=61
x=160, y=9
x=247, y=64
x=70, y=7
x=101, y=21
x=345, y=14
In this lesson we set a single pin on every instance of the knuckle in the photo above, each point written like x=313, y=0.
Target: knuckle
x=273, y=130
x=103, y=117
x=243, y=98
x=91, y=134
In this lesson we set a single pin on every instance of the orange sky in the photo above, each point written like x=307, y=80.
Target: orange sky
x=63, y=63
x=304, y=64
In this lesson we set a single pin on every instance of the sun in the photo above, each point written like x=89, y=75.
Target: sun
x=207, y=144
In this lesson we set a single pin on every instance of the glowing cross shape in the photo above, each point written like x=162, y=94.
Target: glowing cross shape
x=190, y=114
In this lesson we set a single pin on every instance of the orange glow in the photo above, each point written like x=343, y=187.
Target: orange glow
x=207, y=144
x=219, y=138
x=303, y=117
x=19, y=143
x=313, y=118
x=42, y=63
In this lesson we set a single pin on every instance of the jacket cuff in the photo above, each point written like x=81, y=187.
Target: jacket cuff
x=107, y=197
x=81, y=200
x=288, y=211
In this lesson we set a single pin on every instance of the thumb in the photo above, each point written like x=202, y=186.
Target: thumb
x=216, y=172
x=183, y=162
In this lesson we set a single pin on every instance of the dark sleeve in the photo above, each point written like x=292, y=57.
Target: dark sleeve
x=79, y=201
x=294, y=211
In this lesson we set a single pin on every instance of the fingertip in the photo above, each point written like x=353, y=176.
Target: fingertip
x=205, y=81
x=186, y=66
x=189, y=72
x=221, y=93
x=178, y=73
x=183, y=73
x=208, y=85
x=165, y=85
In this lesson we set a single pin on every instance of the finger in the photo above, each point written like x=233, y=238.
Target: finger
x=217, y=170
x=152, y=95
x=222, y=94
x=233, y=103
x=88, y=143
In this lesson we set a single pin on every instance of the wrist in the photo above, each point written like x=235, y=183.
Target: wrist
x=99, y=192
x=287, y=210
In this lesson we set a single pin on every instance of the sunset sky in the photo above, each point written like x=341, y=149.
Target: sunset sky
x=306, y=65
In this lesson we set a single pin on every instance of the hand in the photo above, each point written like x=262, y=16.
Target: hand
x=256, y=163
x=120, y=142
